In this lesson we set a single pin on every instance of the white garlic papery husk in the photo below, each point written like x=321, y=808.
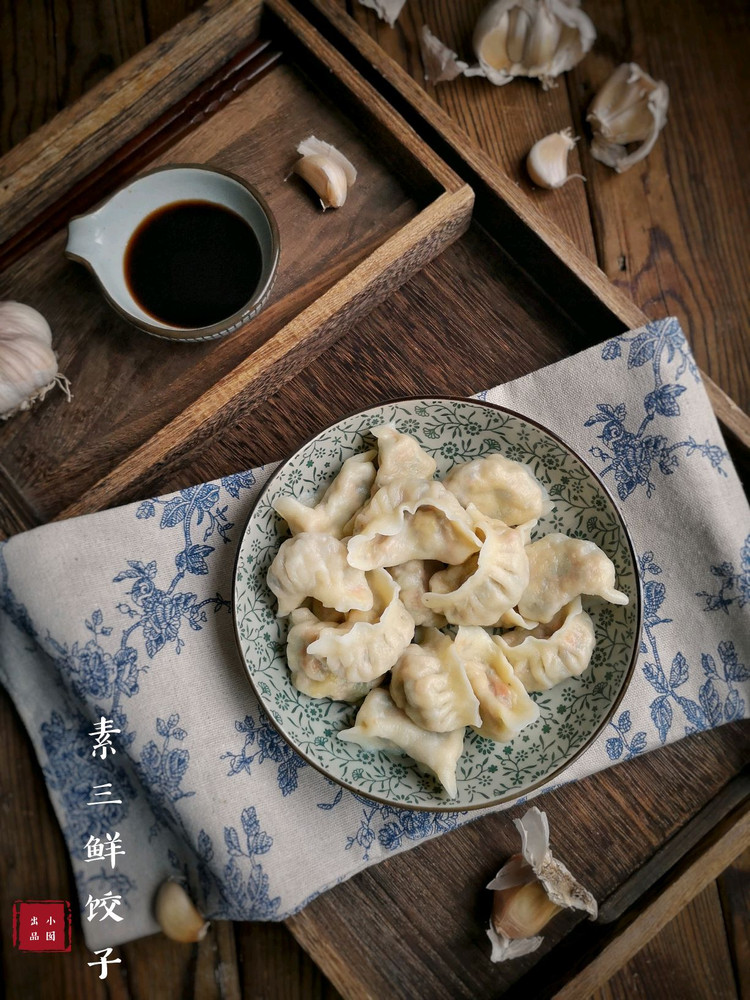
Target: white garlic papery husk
x=631, y=107
x=534, y=38
x=440, y=62
x=536, y=864
x=28, y=365
x=177, y=915
x=328, y=172
x=547, y=162
x=387, y=10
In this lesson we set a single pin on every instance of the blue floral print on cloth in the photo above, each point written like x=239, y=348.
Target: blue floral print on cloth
x=125, y=615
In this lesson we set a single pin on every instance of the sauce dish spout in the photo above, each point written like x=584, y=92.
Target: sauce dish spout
x=84, y=238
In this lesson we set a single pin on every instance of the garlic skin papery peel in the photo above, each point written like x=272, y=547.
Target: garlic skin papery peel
x=328, y=172
x=547, y=162
x=631, y=107
x=440, y=62
x=28, y=365
x=387, y=10
x=534, y=38
x=536, y=865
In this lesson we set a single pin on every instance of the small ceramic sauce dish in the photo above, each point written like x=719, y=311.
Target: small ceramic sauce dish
x=184, y=252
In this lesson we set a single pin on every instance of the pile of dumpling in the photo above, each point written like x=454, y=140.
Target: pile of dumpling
x=390, y=556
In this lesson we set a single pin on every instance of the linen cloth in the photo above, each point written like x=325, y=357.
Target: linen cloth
x=126, y=615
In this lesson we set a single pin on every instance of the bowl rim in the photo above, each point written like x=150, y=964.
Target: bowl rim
x=638, y=598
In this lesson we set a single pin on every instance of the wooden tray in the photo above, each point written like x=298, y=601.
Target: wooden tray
x=412, y=926
x=536, y=243
x=248, y=87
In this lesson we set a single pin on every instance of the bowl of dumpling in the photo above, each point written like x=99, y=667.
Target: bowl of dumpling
x=437, y=602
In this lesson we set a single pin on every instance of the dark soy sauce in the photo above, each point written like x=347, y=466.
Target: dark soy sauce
x=193, y=263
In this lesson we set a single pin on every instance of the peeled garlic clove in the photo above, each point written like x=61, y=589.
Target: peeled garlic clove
x=631, y=107
x=492, y=44
x=542, y=41
x=535, y=38
x=324, y=176
x=387, y=10
x=177, y=915
x=547, y=162
x=522, y=910
x=328, y=172
x=519, y=24
x=530, y=889
x=28, y=365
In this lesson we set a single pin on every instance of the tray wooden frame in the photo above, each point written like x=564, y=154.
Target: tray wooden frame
x=62, y=167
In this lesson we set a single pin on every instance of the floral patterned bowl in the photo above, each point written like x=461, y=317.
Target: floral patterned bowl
x=572, y=713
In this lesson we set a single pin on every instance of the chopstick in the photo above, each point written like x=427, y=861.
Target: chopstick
x=235, y=76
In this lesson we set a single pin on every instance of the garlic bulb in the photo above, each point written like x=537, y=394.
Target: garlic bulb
x=28, y=365
x=177, y=915
x=631, y=107
x=328, y=172
x=387, y=10
x=547, y=162
x=529, y=890
x=535, y=38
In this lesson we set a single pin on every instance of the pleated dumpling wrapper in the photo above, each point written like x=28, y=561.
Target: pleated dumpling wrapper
x=381, y=725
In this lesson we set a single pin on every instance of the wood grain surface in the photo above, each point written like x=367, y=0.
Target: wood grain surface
x=404, y=345
x=534, y=239
x=696, y=930
x=672, y=231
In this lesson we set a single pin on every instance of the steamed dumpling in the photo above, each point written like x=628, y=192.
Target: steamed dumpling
x=500, y=488
x=512, y=619
x=384, y=512
x=339, y=503
x=414, y=579
x=381, y=725
x=314, y=565
x=505, y=706
x=365, y=649
x=551, y=653
x=427, y=534
x=400, y=456
x=430, y=685
x=561, y=568
x=489, y=583
x=411, y=519
x=310, y=674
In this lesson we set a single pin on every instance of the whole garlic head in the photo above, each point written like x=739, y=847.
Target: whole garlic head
x=535, y=38
x=28, y=365
x=547, y=162
x=631, y=107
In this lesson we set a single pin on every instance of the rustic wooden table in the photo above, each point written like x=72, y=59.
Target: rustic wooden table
x=674, y=236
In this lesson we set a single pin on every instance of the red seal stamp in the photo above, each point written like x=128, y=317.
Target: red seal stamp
x=42, y=925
